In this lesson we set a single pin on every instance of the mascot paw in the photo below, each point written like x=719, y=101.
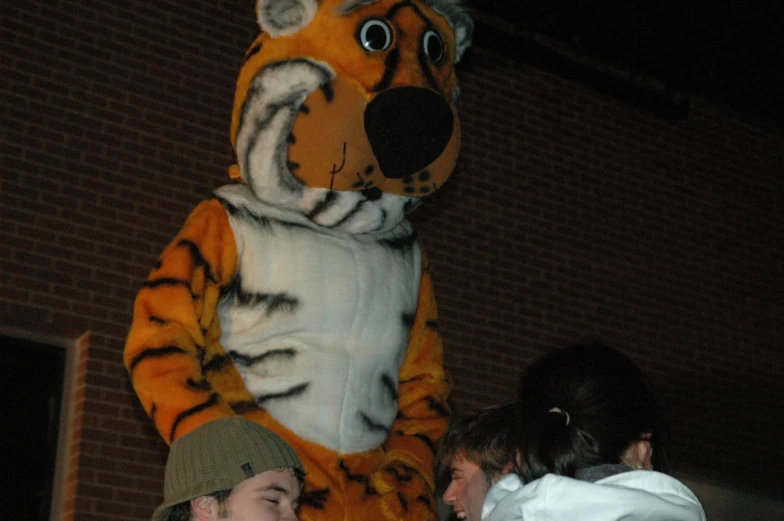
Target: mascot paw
x=405, y=494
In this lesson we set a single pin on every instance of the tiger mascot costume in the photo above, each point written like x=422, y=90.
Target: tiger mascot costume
x=298, y=296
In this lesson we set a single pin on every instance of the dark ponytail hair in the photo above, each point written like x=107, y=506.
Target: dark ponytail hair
x=583, y=406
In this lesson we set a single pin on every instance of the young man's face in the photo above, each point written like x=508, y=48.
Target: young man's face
x=467, y=490
x=270, y=496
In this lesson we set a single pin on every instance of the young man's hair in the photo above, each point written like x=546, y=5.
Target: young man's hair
x=485, y=437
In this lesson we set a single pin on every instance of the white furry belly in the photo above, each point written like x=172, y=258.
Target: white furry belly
x=316, y=328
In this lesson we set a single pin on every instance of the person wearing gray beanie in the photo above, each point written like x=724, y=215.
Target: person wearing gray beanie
x=231, y=468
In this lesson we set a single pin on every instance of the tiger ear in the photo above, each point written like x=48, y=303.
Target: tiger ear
x=459, y=19
x=283, y=17
x=464, y=29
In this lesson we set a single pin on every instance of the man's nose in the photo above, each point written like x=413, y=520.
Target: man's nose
x=289, y=515
x=449, y=495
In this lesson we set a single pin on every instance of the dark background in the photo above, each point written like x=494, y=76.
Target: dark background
x=727, y=51
x=32, y=386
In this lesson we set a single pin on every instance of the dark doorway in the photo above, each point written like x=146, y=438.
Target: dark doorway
x=31, y=388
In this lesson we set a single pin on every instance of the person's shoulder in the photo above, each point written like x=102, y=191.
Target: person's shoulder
x=510, y=499
x=663, y=487
x=650, y=480
x=547, y=498
x=501, y=498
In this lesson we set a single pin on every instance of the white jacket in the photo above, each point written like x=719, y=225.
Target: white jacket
x=637, y=495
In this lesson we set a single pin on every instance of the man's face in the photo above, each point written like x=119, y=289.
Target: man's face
x=467, y=490
x=270, y=496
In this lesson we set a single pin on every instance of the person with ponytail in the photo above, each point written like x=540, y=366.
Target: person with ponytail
x=590, y=436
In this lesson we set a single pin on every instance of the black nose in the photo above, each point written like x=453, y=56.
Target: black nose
x=408, y=128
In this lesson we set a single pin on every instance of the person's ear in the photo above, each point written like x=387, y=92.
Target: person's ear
x=204, y=508
x=518, y=458
x=639, y=454
x=645, y=453
x=507, y=469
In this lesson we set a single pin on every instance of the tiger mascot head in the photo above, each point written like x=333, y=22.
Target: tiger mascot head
x=345, y=109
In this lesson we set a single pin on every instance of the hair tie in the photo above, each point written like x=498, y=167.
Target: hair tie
x=558, y=410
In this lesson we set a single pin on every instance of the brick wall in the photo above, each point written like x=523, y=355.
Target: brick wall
x=578, y=217
x=573, y=216
x=115, y=121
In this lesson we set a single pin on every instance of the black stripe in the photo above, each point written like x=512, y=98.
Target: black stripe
x=198, y=259
x=314, y=498
x=275, y=302
x=230, y=207
x=357, y=478
x=154, y=352
x=408, y=320
x=401, y=476
x=389, y=384
x=216, y=363
x=390, y=67
x=424, y=60
x=436, y=406
x=429, y=442
x=294, y=391
x=226, y=289
x=157, y=320
x=298, y=183
x=383, y=219
x=328, y=91
x=247, y=361
x=403, y=501
x=213, y=399
x=432, y=324
x=323, y=205
x=282, y=302
x=243, y=406
x=372, y=425
x=350, y=214
x=424, y=64
x=201, y=385
x=166, y=281
x=288, y=224
x=399, y=243
x=253, y=50
x=244, y=213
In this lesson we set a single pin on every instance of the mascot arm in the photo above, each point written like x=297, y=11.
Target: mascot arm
x=408, y=465
x=174, y=341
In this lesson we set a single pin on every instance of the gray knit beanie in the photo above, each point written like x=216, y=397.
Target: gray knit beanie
x=220, y=455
